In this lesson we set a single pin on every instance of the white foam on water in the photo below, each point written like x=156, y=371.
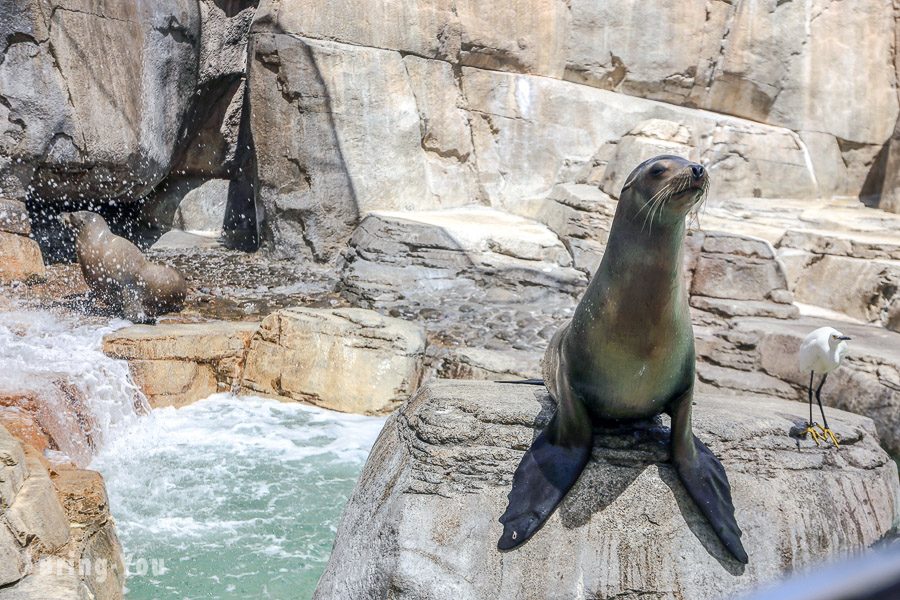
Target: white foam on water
x=236, y=496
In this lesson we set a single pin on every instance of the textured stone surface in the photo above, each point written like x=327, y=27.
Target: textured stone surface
x=36, y=515
x=350, y=359
x=422, y=522
x=304, y=187
x=202, y=210
x=496, y=365
x=769, y=62
x=532, y=132
x=57, y=538
x=463, y=251
x=12, y=467
x=736, y=275
x=860, y=288
x=20, y=258
x=77, y=122
x=176, y=364
x=14, y=217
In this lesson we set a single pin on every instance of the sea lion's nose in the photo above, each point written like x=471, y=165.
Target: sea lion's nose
x=697, y=170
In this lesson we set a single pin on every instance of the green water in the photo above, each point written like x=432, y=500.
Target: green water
x=232, y=497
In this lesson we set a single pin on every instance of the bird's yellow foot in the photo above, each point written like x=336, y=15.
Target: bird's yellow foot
x=813, y=432
x=827, y=435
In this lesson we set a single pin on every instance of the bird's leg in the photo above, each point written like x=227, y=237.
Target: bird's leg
x=826, y=431
x=810, y=425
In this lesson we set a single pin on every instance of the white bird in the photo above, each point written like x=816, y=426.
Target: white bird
x=821, y=352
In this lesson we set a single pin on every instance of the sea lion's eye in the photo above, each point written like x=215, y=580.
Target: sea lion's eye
x=657, y=170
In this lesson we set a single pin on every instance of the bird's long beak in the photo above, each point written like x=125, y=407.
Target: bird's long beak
x=844, y=337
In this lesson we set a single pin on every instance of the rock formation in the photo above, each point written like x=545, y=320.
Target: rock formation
x=350, y=360
x=20, y=256
x=422, y=522
x=58, y=539
x=314, y=117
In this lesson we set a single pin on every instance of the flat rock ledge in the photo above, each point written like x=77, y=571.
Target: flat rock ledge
x=422, y=521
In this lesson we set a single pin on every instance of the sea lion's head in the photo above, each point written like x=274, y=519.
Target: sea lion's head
x=77, y=220
x=664, y=189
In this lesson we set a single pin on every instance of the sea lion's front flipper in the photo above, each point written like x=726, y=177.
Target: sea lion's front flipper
x=547, y=471
x=705, y=480
x=133, y=306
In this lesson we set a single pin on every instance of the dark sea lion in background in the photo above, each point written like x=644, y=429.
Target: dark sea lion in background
x=117, y=272
x=627, y=354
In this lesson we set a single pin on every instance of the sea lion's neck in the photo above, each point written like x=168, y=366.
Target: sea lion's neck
x=636, y=246
x=641, y=275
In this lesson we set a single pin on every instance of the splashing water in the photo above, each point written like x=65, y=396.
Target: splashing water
x=232, y=497
x=226, y=498
x=82, y=397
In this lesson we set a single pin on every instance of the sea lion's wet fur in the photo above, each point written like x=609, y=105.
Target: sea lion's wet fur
x=118, y=273
x=627, y=354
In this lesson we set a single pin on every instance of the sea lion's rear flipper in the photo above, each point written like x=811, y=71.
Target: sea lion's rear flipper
x=704, y=477
x=547, y=471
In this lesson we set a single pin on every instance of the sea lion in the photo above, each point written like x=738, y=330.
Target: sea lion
x=627, y=354
x=117, y=272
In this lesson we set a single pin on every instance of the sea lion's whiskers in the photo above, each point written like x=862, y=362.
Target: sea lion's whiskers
x=657, y=197
x=677, y=185
x=652, y=199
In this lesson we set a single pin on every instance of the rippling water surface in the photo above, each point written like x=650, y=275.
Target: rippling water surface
x=232, y=497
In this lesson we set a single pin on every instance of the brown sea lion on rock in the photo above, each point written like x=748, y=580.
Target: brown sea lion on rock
x=627, y=354
x=117, y=272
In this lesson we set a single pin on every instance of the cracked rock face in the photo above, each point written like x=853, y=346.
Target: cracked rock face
x=422, y=521
x=57, y=538
x=76, y=122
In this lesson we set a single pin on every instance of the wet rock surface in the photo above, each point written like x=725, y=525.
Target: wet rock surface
x=176, y=364
x=422, y=522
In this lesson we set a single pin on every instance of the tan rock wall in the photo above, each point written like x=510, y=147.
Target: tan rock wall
x=829, y=106
x=176, y=364
x=57, y=539
x=351, y=360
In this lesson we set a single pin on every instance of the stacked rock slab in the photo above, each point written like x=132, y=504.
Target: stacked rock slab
x=403, y=257
x=20, y=256
x=176, y=364
x=57, y=539
x=422, y=521
x=350, y=360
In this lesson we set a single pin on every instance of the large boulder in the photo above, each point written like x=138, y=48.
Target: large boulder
x=20, y=256
x=422, y=521
x=345, y=359
x=57, y=538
